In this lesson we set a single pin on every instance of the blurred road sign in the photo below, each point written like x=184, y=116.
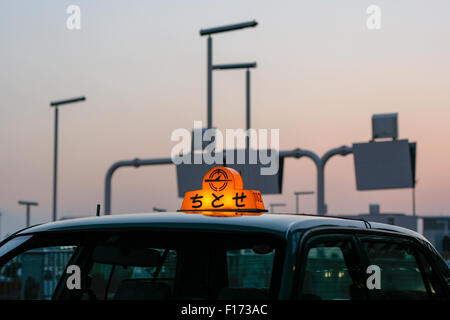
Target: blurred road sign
x=189, y=176
x=385, y=165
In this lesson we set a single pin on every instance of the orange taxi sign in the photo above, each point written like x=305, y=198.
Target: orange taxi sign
x=223, y=194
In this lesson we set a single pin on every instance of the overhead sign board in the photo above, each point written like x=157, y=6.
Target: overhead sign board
x=385, y=165
x=187, y=174
x=385, y=126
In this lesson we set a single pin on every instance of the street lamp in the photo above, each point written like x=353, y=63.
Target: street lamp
x=208, y=32
x=28, y=204
x=273, y=205
x=230, y=27
x=297, y=194
x=56, y=104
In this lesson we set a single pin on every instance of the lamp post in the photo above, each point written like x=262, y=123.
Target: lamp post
x=28, y=204
x=127, y=163
x=297, y=194
x=56, y=104
x=209, y=64
x=320, y=163
x=341, y=151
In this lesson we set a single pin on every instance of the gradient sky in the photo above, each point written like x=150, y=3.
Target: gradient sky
x=142, y=66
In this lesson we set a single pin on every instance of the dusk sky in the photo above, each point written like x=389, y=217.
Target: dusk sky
x=142, y=66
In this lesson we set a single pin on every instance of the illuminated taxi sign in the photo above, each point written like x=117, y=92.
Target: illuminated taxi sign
x=223, y=194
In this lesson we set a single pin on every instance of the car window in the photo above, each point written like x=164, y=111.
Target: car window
x=250, y=269
x=109, y=281
x=400, y=272
x=34, y=274
x=331, y=271
x=156, y=265
x=436, y=286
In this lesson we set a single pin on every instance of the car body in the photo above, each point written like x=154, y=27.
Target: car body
x=194, y=256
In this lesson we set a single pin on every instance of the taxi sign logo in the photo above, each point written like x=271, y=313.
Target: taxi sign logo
x=223, y=194
x=218, y=179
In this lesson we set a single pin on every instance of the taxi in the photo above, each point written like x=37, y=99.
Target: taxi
x=221, y=245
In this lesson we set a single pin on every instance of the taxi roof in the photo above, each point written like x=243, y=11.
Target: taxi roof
x=280, y=224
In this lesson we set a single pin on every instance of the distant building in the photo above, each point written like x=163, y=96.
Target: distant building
x=396, y=219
